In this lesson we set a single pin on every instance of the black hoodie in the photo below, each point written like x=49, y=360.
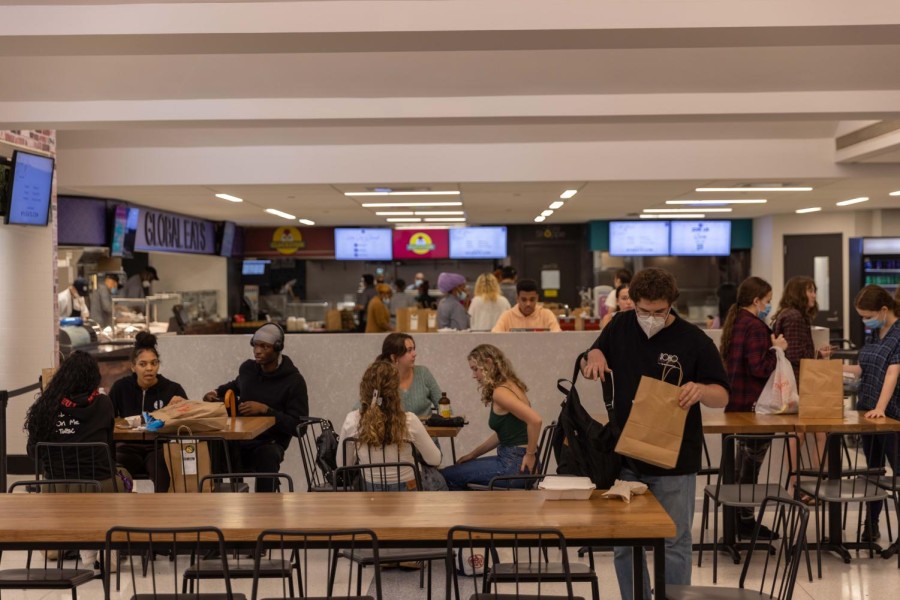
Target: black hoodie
x=130, y=399
x=283, y=391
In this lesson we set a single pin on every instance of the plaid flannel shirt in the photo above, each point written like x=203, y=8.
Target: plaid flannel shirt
x=750, y=361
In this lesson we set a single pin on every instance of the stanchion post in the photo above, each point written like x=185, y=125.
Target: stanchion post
x=4, y=402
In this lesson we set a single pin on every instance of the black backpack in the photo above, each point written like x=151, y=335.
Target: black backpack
x=581, y=445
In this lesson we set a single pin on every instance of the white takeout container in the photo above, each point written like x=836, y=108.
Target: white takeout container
x=567, y=488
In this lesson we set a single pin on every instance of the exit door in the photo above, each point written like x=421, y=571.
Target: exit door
x=821, y=258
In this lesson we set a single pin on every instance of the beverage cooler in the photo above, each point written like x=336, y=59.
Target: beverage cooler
x=872, y=261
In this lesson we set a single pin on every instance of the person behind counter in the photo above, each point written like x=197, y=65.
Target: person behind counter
x=378, y=317
x=268, y=385
x=451, y=314
x=488, y=304
x=516, y=425
x=71, y=300
x=527, y=313
x=417, y=282
x=419, y=390
x=508, y=283
x=622, y=277
x=623, y=304
x=101, y=300
x=385, y=432
x=424, y=299
x=363, y=296
x=139, y=285
x=145, y=390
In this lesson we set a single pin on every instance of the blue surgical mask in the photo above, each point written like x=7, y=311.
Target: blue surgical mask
x=114, y=291
x=765, y=312
x=462, y=296
x=873, y=323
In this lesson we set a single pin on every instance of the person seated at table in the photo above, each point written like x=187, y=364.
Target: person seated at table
x=267, y=385
x=879, y=394
x=528, y=313
x=145, y=390
x=419, y=391
x=384, y=432
x=623, y=304
x=748, y=349
x=515, y=423
x=72, y=409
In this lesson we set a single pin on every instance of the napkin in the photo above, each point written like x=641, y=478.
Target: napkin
x=625, y=489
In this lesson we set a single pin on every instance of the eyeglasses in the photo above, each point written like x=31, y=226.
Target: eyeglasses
x=663, y=312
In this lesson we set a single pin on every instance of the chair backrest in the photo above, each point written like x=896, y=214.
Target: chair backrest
x=308, y=549
x=56, y=486
x=515, y=482
x=232, y=482
x=771, y=452
x=75, y=460
x=190, y=457
x=315, y=467
x=780, y=557
x=195, y=541
x=858, y=478
x=545, y=448
x=377, y=477
x=465, y=544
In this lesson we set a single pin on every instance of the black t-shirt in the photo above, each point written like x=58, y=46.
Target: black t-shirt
x=631, y=355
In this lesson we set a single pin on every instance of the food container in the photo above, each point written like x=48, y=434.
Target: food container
x=567, y=488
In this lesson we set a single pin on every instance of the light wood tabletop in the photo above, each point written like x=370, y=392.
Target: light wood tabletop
x=443, y=432
x=748, y=422
x=239, y=428
x=400, y=516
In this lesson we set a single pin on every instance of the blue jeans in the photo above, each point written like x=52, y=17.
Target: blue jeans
x=481, y=470
x=676, y=494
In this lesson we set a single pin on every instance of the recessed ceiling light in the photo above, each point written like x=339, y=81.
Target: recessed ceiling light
x=546, y=213
x=803, y=211
x=307, y=221
x=430, y=226
x=428, y=193
x=229, y=197
x=852, y=201
x=446, y=220
x=408, y=204
x=897, y=193
x=404, y=220
x=675, y=216
x=539, y=219
x=557, y=204
x=278, y=213
x=440, y=212
x=754, y=189
x=568, y=194
x=396, y=213
x=684, y=210
x=701, y=202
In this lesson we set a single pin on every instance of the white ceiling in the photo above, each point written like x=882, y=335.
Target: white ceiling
x=288, y=104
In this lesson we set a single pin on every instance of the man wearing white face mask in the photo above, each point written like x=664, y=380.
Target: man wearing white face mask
x=138, y=286
x=635, y=344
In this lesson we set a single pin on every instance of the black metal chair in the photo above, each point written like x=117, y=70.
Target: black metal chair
x=780, y=559
x=75, y=460
x=319, y=475
x=304, y=546
x=543, y=452
x=49, y=577
x=240, y=567
x=470, y=541
x=891, y=484
x=138, y=541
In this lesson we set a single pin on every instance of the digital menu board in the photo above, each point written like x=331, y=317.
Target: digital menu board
x=413, y=244
x=477, y=242
x=701, y=238
x=362, y=244
x=29, y=193
x=638, y=238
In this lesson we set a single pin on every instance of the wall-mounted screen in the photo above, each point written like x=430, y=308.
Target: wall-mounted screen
x=362, y=244
x=638, y=238
x=226, y=247
x=28, y=201
x=477, y=242
x=413, y=244
x=254, y=267
x=701, y=238
x=120, y=220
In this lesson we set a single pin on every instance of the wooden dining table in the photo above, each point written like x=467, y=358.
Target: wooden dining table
x=237, y=428
x=399, y=519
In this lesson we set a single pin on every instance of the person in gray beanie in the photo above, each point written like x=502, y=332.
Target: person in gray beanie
x=451, y=314
x=268, y=385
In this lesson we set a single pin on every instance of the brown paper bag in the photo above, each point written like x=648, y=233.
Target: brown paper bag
x=333, y=320
x=655, y=426
x=821, y=389
x=430, y=320
x=403, y=319
x=188, y=462
x=198, y=416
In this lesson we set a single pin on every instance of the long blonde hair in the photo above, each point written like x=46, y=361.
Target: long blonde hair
x=496, y=368
x=382, y=421
x=488, y=287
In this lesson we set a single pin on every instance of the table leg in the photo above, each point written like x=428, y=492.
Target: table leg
x=637, y=571
x=453, y=449
x=659, y=569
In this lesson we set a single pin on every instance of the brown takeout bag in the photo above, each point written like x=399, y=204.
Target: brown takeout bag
x=821, y=389
x=188, y=462
x=655, y=427
x=197, y=415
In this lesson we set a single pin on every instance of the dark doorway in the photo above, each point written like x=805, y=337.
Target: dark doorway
x=563, y=257
x=820, y=257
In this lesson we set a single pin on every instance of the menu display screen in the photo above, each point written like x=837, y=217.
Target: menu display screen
x=226, y=248
x=362, y=244
x=413, y=244
x=701, y=238
x=120, y=218
x=478, y=242
x=29, y=195
x=638, y=238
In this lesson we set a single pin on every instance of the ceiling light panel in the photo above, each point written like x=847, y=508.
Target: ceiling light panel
x=852, y=201
x=754, y=189
x=546, y=213
x=539, y=219
x=408, y=204
x=557, y=204
x=445, y=220
x=396, y=213
x=675, y=216
x=229, y=197
x=718, y=202
x=306, y=222
x=897, y=193
x=686, y=210
x=446, y=213
x=404, y=220
x=428, y=193
x=803, y=211
x=278, y=213
x=568, y=194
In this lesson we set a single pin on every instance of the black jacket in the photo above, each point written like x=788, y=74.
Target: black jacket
x=283, y=391
x=129, y=399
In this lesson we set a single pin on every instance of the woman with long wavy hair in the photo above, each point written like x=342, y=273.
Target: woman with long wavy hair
x=515, y=423
x=384, y=432
x=487, y=304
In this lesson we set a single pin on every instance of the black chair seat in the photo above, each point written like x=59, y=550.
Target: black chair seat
x=694, y=592
x=210, y=596
x=240, y=568
x=745, y=494
x=534, y=571
x=521, y=597
x=845, y=490
x=366, y=556
x=44, y=578
x=329, y=598
x=887, y=482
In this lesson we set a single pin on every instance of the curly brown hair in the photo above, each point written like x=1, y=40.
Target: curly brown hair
x=794, y=296
x=653, y=283
x=382, y=420
x=497, y=370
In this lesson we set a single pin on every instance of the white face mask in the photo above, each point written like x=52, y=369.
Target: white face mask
x=146, y=284
x=652, y=324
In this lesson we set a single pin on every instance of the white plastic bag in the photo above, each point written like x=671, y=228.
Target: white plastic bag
x=780, y=396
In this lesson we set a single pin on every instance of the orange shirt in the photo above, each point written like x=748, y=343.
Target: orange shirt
x=541, y=318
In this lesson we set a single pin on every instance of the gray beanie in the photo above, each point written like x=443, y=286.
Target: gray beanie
x=270, y=333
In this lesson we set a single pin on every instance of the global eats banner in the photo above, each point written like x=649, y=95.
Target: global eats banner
x=166, y=232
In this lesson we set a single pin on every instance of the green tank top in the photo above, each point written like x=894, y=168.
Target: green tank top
x=510, y=429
